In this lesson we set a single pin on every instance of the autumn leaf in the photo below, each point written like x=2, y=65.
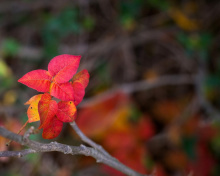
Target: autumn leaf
x=32, y=111
x=79, y=92
x=63, y=91
x=47, y=110
x=39, y=80
x=82, y=77
x=63, y=67
x=66, y=111
x=79, y=83
x=53, y=128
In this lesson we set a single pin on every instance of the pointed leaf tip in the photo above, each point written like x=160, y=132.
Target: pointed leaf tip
x=63, y=67
x=82, y=77
x=33, y=99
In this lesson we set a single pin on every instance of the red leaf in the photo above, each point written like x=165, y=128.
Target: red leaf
x=63, y=91
x=63, y=67
x=37, y=79
x=47, y=110
x=32, y=111
x=53, y=128
x=79, y=92
x=66, y=111
x=82, y=77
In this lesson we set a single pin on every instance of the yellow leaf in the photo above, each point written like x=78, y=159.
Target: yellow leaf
x=32, y=111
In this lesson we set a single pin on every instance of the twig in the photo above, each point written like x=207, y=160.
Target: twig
x=85, y=139
x=200, y=78
x=143, y=85
x=66, y=149
x=161, y=81
x=191, y=109
x=18, y=154
x=97, y=48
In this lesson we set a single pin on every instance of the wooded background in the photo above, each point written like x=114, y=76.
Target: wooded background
x=153, y=100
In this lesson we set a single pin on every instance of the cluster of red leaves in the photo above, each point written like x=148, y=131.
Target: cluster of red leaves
x=56, y=82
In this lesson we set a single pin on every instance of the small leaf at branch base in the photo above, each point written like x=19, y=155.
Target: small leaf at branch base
x=82, y=77
x=79, y=92
x=53, y=128
x=63, y=67
x=66, y=111
x=62, y=91
x=32, y=111
x=39, y=80
x=47, y=110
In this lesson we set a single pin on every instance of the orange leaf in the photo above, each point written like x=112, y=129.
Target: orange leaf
x=47, y=110
x=63, y=67
x=82, y=77
x=106, y=113
x=63, y=91
x=53, y=128
x=66, y=111
x=39, y=80
x=32, y=111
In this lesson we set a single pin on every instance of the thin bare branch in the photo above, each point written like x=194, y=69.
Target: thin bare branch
x=85, y=139
x=18, y=154
x=143, y=85
x=98, y=48
x=66, y=149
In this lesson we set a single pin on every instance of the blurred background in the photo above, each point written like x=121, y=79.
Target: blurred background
x=153, y=100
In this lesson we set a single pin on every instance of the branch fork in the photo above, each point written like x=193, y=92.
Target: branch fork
x=96, y=151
